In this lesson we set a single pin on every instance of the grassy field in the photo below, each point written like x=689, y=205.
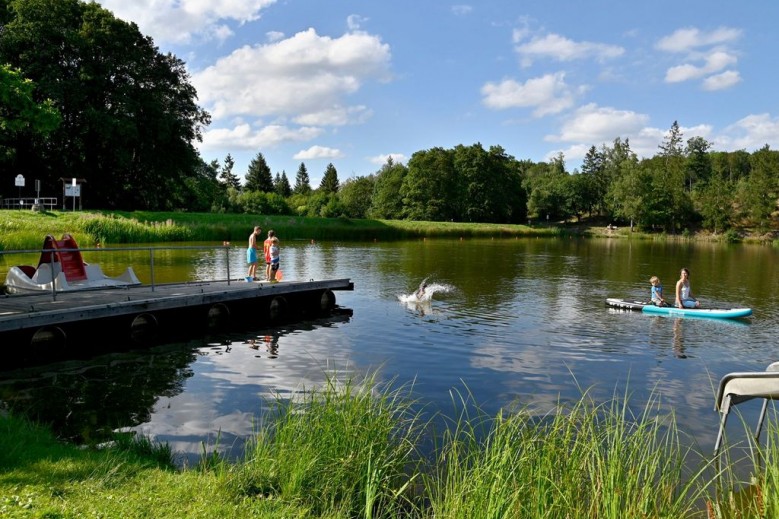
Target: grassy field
x=353, y=450
x=26, y=229
x=22, y=230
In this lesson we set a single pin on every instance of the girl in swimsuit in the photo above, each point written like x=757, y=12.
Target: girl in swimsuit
x=684, y=297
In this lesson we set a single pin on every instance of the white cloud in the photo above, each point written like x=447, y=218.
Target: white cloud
x=593, y=124
x=355, y=21
x=573, y=153
x=462, y=10
x=179, y=21
x=712, y=49
x=687, y=39
x=397, y=158
x=294, y=77
x=549, y=94
x=243, y=136
x=318, y=152
x=272, y=36
x=335, y=116
x=750, y=133
x=560, y=48
x=722, y=81
x=714, y=62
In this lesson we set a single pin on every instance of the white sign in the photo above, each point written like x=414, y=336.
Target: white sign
x=19, y=181
x=73, y=190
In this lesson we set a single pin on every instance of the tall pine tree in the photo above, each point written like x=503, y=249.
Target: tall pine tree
x=281, y=184
x=227, y=177
x=302, y=182
x=329, y=182
x=259, y=177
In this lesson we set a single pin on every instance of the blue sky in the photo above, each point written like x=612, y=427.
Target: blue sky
x=352, y=82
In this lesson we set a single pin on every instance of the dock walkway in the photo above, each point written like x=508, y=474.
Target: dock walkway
x=65, y=319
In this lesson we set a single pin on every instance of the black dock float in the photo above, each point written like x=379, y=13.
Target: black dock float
x=40, y=324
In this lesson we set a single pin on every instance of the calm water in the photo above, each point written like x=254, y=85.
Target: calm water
x=513, y=322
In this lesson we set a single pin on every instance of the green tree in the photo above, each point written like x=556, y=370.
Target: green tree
x=592, y=185
x=355, y=196
x=669, y=170
x=431, y=186
x=386, y=201
x=20, y=114
x=617, y=159
x=491, y=185
x=227, y=177
x=550, y=194
x=630, y=192
x=302, y=182
x=129, y=114
x=203, y=192
x=698, y=164
x=281, y=185
x=757, y=194
x=329, y=182
x=258, y=177
x=257, y=202
x=714, y=201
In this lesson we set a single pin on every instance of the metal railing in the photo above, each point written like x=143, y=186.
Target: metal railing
x=30, y=203
x=151, y=251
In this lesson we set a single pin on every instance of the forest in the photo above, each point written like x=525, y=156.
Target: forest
x=86, y=95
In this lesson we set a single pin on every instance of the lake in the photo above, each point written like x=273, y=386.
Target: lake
x=512, y=323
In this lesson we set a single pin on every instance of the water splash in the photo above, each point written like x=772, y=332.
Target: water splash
x=426, y=295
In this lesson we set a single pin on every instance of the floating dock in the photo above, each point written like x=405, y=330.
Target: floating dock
x=69, y=324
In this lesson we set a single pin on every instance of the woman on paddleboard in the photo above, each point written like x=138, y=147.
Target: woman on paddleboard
x=684, y=297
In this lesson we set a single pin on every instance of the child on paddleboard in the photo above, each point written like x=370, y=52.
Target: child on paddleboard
x=656, y=292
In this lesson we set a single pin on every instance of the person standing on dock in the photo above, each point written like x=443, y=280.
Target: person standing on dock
x=266, y=251
x=251, y=254
x=274, y=258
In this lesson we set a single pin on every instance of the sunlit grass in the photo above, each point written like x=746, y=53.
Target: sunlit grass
x=22, y=230
x=353, y=449
x=585, y=461
x=347, y=449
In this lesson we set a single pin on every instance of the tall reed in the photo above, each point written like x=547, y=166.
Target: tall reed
x=348, y=449
x=583, y=461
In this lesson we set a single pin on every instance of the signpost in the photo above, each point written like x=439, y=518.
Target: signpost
x=71, y=187
x=19, y=182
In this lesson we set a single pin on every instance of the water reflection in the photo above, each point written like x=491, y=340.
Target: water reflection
x=678, y=340
x=183, y=393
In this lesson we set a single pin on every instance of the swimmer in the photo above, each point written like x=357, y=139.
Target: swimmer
x=420, y=293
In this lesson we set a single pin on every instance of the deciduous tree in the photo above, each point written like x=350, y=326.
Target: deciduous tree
x=129, y=113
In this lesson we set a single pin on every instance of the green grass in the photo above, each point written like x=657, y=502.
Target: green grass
x=352, y=449
x=585, y=461
x=20, y=230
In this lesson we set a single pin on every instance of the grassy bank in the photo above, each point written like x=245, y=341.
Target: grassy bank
x=26, y=229
x=353, y=450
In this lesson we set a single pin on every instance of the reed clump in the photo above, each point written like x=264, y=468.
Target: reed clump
x=585, y=461
x=343, y=449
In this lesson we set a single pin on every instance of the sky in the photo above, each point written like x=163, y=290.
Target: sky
x=354, y=82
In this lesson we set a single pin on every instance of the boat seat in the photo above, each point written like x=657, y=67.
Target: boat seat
x=66, y=253
x=735, y=388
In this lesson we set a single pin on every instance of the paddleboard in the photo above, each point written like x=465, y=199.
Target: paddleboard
x=649, y=308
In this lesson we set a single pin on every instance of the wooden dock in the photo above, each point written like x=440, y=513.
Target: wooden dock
x=46, y=323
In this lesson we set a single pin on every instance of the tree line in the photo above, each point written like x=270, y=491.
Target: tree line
x=85, y=95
